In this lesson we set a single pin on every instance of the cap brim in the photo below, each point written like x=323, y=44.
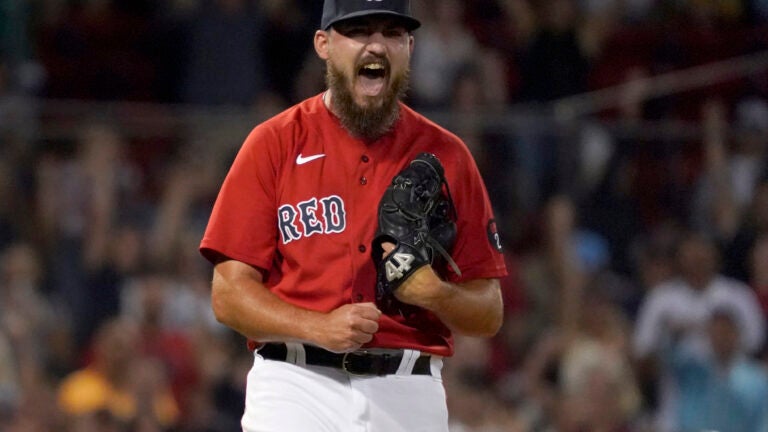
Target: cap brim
x=410, y=23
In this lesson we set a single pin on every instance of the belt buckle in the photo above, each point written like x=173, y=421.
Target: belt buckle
x=346, y=363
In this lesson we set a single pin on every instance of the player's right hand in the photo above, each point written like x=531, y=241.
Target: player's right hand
x=348, y=327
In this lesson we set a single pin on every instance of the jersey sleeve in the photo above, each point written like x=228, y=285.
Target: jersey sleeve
x=242, y=225
x=478, y=249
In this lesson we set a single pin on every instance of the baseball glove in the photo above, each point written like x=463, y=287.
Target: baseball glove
x=417, y=216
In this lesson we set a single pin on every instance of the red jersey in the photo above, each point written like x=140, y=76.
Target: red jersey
x=300, y=201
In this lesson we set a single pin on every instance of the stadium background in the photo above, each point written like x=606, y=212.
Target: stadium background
x=603, y=128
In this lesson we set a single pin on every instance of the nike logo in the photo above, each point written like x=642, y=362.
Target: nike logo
x=301, y=160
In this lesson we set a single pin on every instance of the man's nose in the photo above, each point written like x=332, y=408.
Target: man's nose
x=376, y=43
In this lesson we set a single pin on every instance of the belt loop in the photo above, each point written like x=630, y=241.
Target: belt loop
x=436, y=366
x=295, y=354
x=406, y=364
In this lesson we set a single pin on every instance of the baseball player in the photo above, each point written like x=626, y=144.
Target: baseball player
x=350, y=239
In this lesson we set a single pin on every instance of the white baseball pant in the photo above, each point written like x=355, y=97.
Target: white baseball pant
x=290, y=396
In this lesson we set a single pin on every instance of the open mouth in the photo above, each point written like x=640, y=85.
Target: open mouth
x=373, y=70
x=372, y=77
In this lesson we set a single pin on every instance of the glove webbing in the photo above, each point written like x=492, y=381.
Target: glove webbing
x=429, y=239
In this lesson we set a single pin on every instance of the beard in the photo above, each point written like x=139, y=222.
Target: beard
x=366, y=122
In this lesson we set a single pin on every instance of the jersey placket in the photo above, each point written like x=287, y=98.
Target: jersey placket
x=362, y=191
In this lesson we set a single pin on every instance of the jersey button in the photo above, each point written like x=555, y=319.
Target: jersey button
x=363, y=181
x=361, y=248
x=364, y=158
x=358, y=297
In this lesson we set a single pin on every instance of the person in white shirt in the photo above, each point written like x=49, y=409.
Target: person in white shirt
x=676, y=312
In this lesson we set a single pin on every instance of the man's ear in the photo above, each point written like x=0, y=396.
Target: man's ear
x=411, y=41
x=321, y=44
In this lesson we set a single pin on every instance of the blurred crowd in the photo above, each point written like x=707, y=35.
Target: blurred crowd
x=636, y=236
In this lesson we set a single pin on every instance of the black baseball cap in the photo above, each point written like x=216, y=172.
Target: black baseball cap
x=338, y=10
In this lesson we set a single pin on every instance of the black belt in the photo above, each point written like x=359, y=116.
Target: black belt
x=354, y=363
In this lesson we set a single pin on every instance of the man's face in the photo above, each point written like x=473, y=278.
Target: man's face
x=697, y=260
x=368, y=65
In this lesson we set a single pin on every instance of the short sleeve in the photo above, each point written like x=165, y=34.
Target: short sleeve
x=242, y=225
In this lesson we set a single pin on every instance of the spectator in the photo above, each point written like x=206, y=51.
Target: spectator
x=473, y=403
x=25, y=313
x=81, y=187
x=587, y=350
x=734, y=164
x=732, y=194
x=146, y=300
x=679, y=307
x=119, y=385
x=722, y=388
x=29, y=324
